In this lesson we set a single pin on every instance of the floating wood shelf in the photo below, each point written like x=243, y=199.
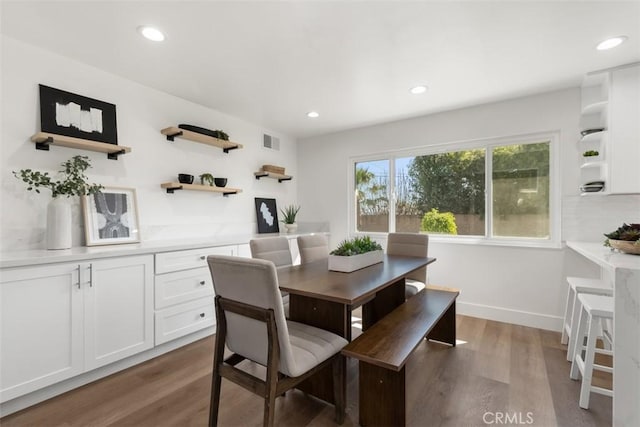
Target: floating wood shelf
x=44, y=139
x=172, y=186
x=279, y=177
x=173, y=132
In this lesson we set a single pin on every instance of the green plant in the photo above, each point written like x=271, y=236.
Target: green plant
x=206, y=177
x=439, y=222
x=356, y=246
x=289, y=214
x=591, y=153
x=628, y=232
x=73, y=182
x=220, y=134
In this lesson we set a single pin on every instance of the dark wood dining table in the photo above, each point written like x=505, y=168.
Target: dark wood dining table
x=325, y=299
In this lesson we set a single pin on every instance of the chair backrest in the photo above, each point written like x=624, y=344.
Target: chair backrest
x=410, y=244
x=313, y=247
x=274, y=249
x=253, y=282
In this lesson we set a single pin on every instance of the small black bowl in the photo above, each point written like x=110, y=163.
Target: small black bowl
x=220, y=182
x=185, y=178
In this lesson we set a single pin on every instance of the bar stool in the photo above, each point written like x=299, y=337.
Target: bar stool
x=578, y=285
x=594, y=308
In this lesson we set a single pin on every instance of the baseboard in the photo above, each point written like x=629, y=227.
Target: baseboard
x=517, y=317
x=53, y=390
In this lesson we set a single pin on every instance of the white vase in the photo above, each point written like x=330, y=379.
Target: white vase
x=347, y=264
x=59, y=223
x=291, y=228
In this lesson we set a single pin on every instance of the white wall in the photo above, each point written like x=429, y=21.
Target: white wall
x=518, y=285
x=141, y=113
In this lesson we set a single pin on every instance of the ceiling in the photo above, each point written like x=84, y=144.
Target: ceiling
x=271, y=62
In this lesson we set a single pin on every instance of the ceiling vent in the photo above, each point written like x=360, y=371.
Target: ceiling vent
x=271, y=142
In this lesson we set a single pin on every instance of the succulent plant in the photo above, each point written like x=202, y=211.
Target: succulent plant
x=628, y=232
x=356, y=246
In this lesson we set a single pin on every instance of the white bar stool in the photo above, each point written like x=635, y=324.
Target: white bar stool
x=595, y=308
x=578, y=285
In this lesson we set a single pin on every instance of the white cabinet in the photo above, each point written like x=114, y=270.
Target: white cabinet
x=61, y=320
x=41, y=339
x=611, y=102
x=184, y=292
x=118, y=308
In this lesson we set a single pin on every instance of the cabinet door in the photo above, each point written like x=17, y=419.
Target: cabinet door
x=41, y=328
x=118, y=308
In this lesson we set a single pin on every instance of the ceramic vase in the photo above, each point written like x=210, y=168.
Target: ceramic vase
x=291, y=228
x=59, y=223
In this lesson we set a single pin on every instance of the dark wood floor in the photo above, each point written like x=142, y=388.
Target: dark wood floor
x=497, y=370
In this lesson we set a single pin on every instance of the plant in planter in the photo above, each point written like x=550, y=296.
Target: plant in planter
x=590, y=153
x=625, y=239
x=289, y=214
x=208, y=178
x=73, y=182
x=354, y=254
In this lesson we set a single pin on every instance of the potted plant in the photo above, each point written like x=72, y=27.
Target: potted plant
x=73, y=182
x=208, y=178
x=354, y=254
x=289, y=214
x=625, y=239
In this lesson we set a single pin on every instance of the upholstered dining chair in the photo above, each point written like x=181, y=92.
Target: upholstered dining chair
x=251, y=323
x=313, y=247
x=276, y=250
x=410, y=244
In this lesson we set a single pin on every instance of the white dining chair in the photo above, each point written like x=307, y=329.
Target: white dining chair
x=313, y=247
x=276, y=250
x=251, y=323
x=410, y=244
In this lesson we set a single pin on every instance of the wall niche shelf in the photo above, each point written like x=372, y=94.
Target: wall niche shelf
x=172, y=132
x=44, y=139
x=272, y=175
x=173, y=186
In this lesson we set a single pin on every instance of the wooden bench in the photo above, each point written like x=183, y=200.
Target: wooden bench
x=384, y=348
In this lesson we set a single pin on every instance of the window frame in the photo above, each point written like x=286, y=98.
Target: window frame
x=488, y=144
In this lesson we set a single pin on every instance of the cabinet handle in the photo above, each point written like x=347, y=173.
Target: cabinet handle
x=78, y=284
x=202, y=283
x=91, y=275
x=201, y=314
x=203, y=257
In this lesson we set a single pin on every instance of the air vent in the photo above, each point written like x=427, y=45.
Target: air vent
x=271, y=142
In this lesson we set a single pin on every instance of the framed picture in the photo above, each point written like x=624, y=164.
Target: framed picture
x=65, y=113
x=267, y=215
x=111, y=217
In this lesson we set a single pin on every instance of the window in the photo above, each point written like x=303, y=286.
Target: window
x=496, y=191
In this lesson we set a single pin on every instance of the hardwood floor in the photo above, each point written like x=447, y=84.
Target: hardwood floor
x=497, y=372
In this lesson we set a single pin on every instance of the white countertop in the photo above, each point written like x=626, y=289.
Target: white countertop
x=83, y=253
x=604, y=256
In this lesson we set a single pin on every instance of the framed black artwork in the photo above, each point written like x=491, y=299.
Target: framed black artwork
x=267, y=215
x=68, y=114
x=111, y=217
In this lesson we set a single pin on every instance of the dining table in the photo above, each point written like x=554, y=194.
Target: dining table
x=326, y=299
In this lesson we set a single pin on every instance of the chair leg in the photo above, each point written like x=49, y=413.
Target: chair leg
x=215, y=398
x=577, y=348
x=270, y=404
x=339, y=387
x=567, y=316
x=585, y=389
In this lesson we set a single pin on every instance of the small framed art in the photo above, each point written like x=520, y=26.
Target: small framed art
x=111, y=217
x=267, y=215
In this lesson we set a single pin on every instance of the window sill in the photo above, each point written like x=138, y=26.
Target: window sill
x=480, y=241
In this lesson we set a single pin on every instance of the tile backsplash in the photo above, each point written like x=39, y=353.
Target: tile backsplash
x=587, y=218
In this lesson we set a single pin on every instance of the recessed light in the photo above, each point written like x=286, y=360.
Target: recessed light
x=313, y=114
x=416, y=90
x=611, y=43
x=151, y=33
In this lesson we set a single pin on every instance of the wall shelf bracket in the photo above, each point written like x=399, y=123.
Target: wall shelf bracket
x=44, y=145
x=171, y=137
x=170, y=190
x=226, y=150
x=114, y=156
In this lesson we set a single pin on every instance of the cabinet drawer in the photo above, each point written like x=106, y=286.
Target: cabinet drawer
x=193, y=258
x=177, y=321
x=182, y=286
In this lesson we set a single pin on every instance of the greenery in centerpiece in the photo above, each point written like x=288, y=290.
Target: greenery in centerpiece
x=73, y=182
x=627, y=233
x=289, y=214
x=356, y=246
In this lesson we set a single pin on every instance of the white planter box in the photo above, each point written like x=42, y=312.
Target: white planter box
x=347, y=264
